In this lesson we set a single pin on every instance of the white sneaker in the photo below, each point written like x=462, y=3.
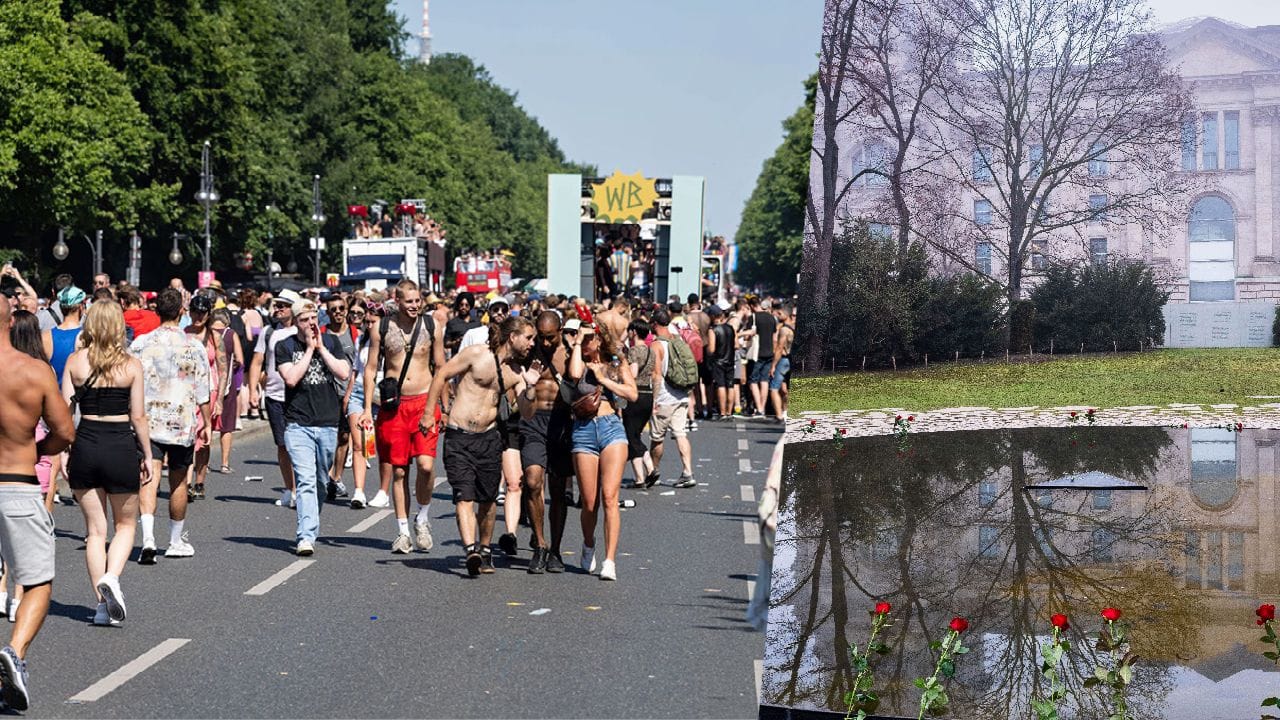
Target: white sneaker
x=109, y=587
x=422, y=536
x=402, y=545
x=305, y=548
x=12, y=610
x=608, y=570
x=103, y=618
x=179, y=548
x=358, y=500
x=348, y=463
x=380, y=500
x=4, y=602
x=589, y=559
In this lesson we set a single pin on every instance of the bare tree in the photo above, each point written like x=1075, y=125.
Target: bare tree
x=836, y=102
x=1065, y=113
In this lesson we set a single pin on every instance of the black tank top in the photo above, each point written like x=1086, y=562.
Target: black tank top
x=104, y=401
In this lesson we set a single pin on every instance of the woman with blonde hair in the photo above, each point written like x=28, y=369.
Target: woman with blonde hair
x=600, y=381
x=111, y=456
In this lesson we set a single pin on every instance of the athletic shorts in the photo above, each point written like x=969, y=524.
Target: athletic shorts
x=546, y=442
x=105, y=456
x=511, y=438
x=473, y=463
x=669, y=417
x=180, y=456
x=399, y=436
x=275, y=416
x=722, y=375
x=780, y=374
x=26, y=533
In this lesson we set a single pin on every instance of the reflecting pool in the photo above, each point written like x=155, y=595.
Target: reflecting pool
x=1178, y=528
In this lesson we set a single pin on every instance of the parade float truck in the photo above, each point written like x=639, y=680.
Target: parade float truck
x=376, y=263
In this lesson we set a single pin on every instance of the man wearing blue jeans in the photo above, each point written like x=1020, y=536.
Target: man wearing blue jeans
x=781, y=365
x=311, y=364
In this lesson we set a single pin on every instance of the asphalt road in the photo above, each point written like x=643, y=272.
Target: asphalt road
x=359, y=632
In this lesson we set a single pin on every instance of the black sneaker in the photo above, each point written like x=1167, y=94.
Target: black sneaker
x=553, y=563
x=13, y=676
x=538, y=563
x=331, y=493
x=653, y=478
x=474, y=560
x=486, y=561
x=199, y=490
x=508, y=543
x=685, y=481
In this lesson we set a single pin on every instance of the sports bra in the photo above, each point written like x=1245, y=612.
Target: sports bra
x=104, y=401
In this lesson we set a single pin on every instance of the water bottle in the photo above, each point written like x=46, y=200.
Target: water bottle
x=628, y=503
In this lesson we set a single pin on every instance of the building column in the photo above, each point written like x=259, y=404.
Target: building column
x=1266, y=180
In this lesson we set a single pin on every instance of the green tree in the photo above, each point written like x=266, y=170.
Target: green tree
x=770, y=237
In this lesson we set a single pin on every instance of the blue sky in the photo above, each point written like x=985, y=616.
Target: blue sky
x=664, y=87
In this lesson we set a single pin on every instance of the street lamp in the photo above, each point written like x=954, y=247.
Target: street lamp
x=317, y=217
x=207, y=197
x=270, y=247
x=175, y=255
x=61, y=251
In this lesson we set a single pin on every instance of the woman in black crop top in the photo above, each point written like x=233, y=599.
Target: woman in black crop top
x=111, y=455
x=599, y=439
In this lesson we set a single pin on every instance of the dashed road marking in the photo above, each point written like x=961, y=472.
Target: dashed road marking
x=129, y=671
x=750, y=532
x=759, y=681
x=744, y=465
x=369, y=522
x=751, y=587
x=748, y=494
x=743, y=444
x=279, y=578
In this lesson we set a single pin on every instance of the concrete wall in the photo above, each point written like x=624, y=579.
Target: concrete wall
x=1218, y=324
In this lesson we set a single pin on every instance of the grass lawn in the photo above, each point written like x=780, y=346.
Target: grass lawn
x=1202, y=376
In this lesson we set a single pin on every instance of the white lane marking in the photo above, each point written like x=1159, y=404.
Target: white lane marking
x=759, y=680
x=751, y=587
x=130, y=670
x=369, y=522
x=744, y=465
x=739, y=427
x=743, y=444
x=748, y=494
x=750, y=532
x=279, y=578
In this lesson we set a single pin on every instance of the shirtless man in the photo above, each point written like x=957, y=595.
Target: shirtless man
x=474, y=436
x=399, y=433
x=28, y=392
x=617, y=317
x=546, y=445
x=782, y=339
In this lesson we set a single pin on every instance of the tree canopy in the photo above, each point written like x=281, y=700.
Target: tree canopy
x=107, y=104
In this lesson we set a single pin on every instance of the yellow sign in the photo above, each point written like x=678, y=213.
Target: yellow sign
x=623, y=198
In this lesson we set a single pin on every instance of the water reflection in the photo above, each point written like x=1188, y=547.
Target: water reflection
x=952, y=528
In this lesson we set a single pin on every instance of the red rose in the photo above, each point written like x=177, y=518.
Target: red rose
x=1184, y=425
x=911, y=418
x=1110, y=614
x=812, y=423
x=1073, y=413
x=1060, y=621
x=898, y=418
x=959, y=624
x=843, y=431
x=1090, y=412
x=882, y=608
x=1265, y=613
x=1239, y=427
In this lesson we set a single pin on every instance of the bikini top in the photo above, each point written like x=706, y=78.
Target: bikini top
x=104, y=401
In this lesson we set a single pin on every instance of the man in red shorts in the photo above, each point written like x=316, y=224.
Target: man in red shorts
x=409, y=345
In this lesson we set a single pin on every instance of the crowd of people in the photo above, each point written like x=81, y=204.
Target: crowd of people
x=528, y=393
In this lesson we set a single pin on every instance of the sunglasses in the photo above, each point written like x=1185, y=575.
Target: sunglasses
x=570, y=332
x=357, y=313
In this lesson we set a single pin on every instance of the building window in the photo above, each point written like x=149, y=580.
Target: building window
x=871, y=156
x=1209, y=153
x=1098, y=162
x=1098, y=208
x=1101, y=544
x=1098, y=250
x=982, y=258
x=987, y=492
x=1037, y=255
x=1231, y=140
x=1214, y=470
x=981, y=169
x=1035, y=154
x=1193, y=560
x=1235, y=561
x=1101, y=499
x=982, y=212
x=1211, y=252
x=988, y=541
x=1188, y=143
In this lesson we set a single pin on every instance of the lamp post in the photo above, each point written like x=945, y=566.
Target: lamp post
x=271, y=237
x=61, y=251
x=207, y=197
x=317, y=217
x=175, y=255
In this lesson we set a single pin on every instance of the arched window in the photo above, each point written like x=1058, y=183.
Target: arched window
x=1211, y=267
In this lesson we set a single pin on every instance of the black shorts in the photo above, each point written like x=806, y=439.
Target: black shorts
x=473, y=462
x=275, y=416
x=722, y=375
x=511, y=438
x=105, y=456
x=180, y=456
x=704, y=372
x=546, y=441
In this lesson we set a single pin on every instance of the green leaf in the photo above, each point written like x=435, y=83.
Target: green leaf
x=1271, y=701
x=920, y=683
x=1092, y=682
x=960, y=650
x=948, y=668
x=1271, y=655
x=1126, y=674
x=1102, y=674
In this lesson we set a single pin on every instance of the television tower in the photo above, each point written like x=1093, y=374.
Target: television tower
x=424, y=48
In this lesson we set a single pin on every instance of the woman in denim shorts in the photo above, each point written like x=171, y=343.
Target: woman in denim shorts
x=599, y=441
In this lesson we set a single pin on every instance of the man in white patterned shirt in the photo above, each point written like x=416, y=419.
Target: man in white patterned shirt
x=176, y=386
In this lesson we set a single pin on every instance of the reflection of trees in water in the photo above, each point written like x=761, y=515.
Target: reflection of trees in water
x=868, y=525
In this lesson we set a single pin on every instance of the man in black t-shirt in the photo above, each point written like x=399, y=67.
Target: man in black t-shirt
x=311, y=364
x=721, y=345
x=765, y=326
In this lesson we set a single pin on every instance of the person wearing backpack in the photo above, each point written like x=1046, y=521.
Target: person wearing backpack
x=675, y=373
